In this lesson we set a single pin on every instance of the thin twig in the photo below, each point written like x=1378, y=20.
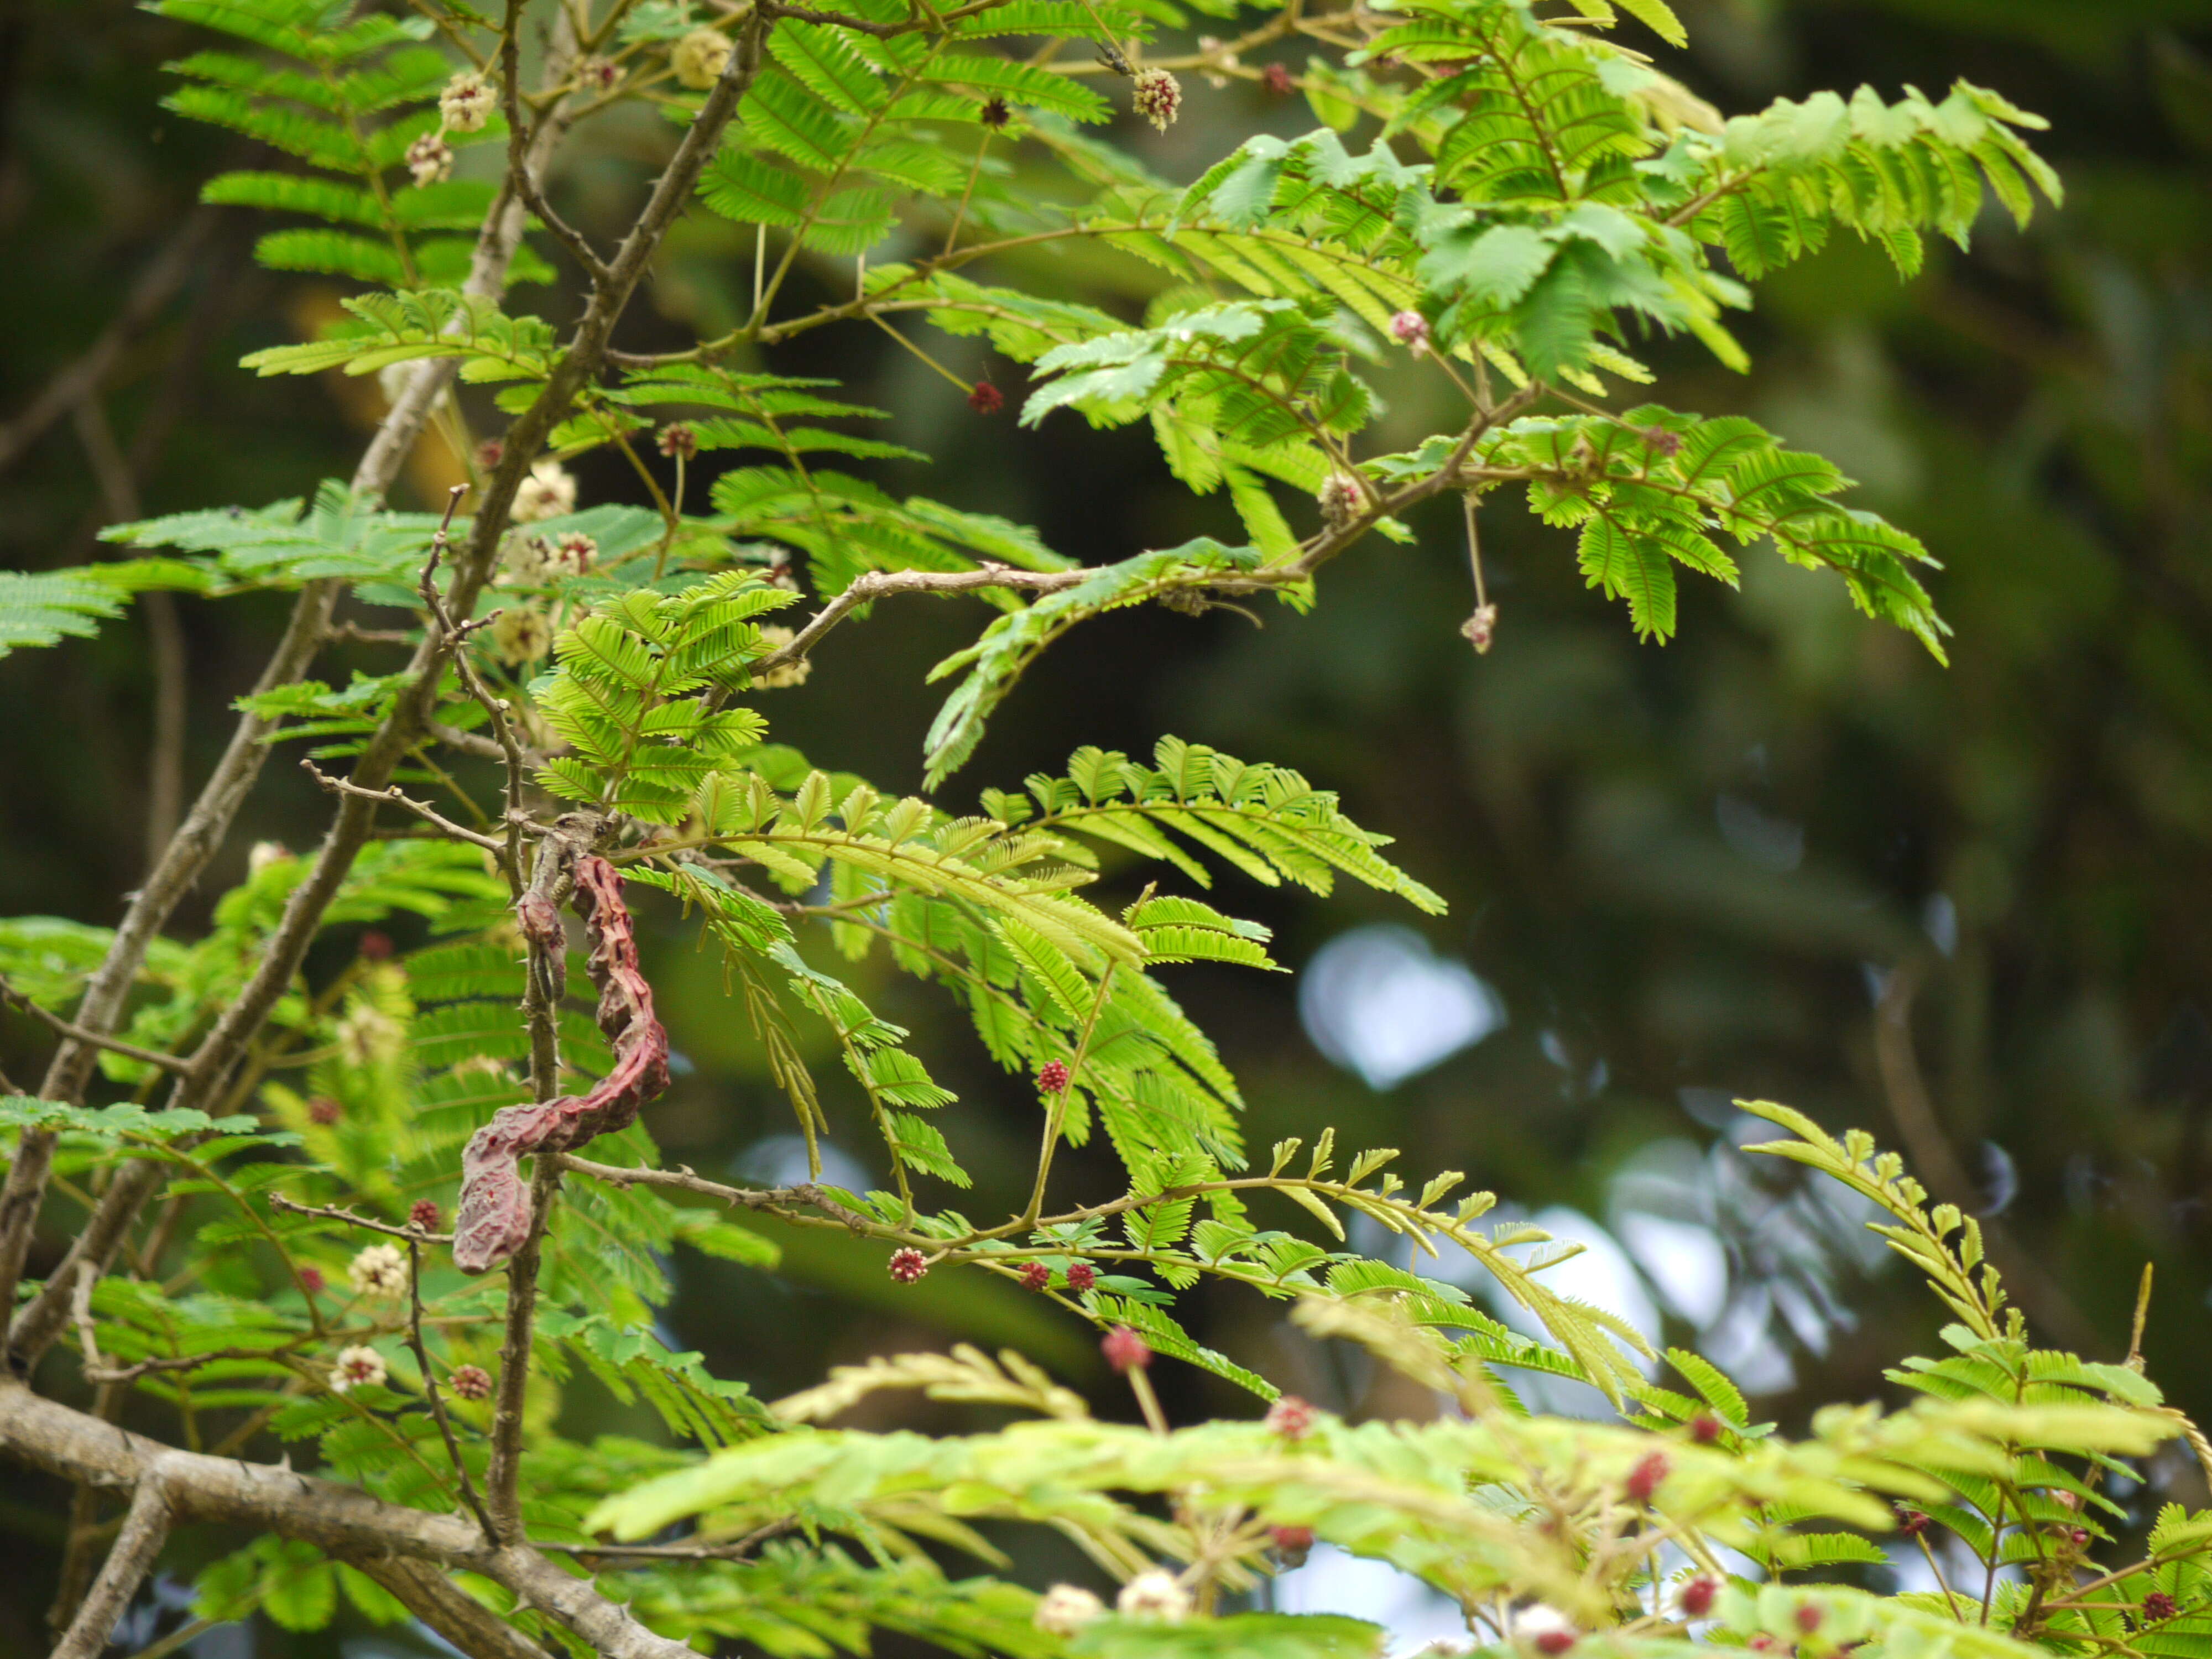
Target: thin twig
x=94, y=1039
x=391, y=792
x=431, y=1386
x=333, y=1213
x=806, y=1195
x=518, y=170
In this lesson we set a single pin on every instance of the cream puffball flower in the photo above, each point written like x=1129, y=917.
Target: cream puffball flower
x=1065, y=1608
x=379, y=1270
x=357, y=1368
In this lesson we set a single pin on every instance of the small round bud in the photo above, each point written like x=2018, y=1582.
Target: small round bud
x=1761, y=1642
x=907, y=1264
x=357, y=1368
x=1807, y=1617
x=1696, y=1597
x=489, y=453
x=1292, y=1544
x=1051, y=1077
x=1667, y=442
x=1277, y=80
x=1705, y=1428
x=1036, y=1276
x=995, y=115
x=699, y=57
x=1158, y=98
x=1912, y=1522
x=1290, y=1417
x=423, y=1213
x=1154, y=1594
x=1125, y=1350
x=1067, y=1608
x=375, y=946
x=984, y=398
x=599, y=74
x=1410, y=328
x=1645, y=1478
x=1081, y=1276
x=1339, y=500
x=465, y=104
x=2157, y=1607
x=678, y=440
x=2078, y=1537
x=1545, y=1628
x=429, y=159
x=471, y=1382
x=322, y=1110
x=311, y=1280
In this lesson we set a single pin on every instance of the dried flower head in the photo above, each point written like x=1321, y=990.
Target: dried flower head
x=547, y=492
x=984, y=398
x=907, y=1264
x=1051, y=1077
x=265, y=853
x=1036, y=1276
x=793, y=672
x=699, y=57
x=1081, y=1276
x=1339, y=501
x=1290, y=1417
x=1292, y=1544
x=322, y=1110
x=472, y=1382
x=1277, y=80
x=1125, y=1350
x=1156, y=1593
x=355, y=1368
x=1645, y=1478
x=1067, y=1608
x=465, y=104
x=1482, y=631
x=1411, y=330
x=1157, y=98
x=995, y=115
x=429, y=159
x=520, y=636
x=678, y=441
x=423, y=1213
x=379, y=1271
x=1695, y=1599
x=598, y=74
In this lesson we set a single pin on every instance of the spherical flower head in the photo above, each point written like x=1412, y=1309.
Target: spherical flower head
x=547, y=492
x=1067, y=1608
x=1292, y=1544
x=1912, y=1522
x=322, y=1110
x=1807, y=1617
x=357, y=1368
x=1544, y=1628
x=520, y=636
x=472, y=1382
x=1705, y=1428
x=489, y=453
x=2078, y=1537
x=375, y=946
x=1339, y=501
x=699, y=57
x=1036, y=1276
x=263, y=855
x=1644, y=1479
x=379, y=1271
x=1290, y=1417
x=465, y=104
x=1125, y=1350
x=311, y=1280
x=1158, y=98
x=1154, y=1594
x=1277, y=80
x=907, y=1264
x=678, y=441
x=1411, y=330
x=1081, y=1276
x=1761, y=1642
x=793, y=672
x=1482, y=631
x=984, y=398
x=576, y=551
x=423, y=1213
x=429, y=159
x=1667, y=442
x=1695, y=1599
x=994, y=114
x=2157, y=1607
x=1051, y=1077
x=368, y=1037
x=598, y=74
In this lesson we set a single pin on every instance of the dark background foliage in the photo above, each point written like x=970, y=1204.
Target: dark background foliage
x=1687, y=874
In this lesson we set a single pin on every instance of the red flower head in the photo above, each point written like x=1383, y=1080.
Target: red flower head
x=1081, y=1276
x=472, y=1382
x=1036, y=1276
x=1292, y=1543
x=1125, y=1350
x=1644, y=1479
x=1809, y=1617
x=1705, y=1428
x=376, y=946
x=1912, y=1522
x=311, y=1279
x=325, y=1111
x=2157, y=1607
x=1051, y=1077
x=984, y=398
x=1277, y=80
x=1553, y=1643
x=677, y=440
x=907, y=1264
x=1697, y=1597
x=424, y=1214
x=1290, y=1417
x=489, y=455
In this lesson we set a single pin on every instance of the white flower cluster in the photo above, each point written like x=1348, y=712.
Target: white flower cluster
x=379, y=1271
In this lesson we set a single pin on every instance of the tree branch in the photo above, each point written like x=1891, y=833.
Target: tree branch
x=448, y=1609
x=390, y=793
x=80, y=1034
x=806, y=1195
x=145, y=1529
